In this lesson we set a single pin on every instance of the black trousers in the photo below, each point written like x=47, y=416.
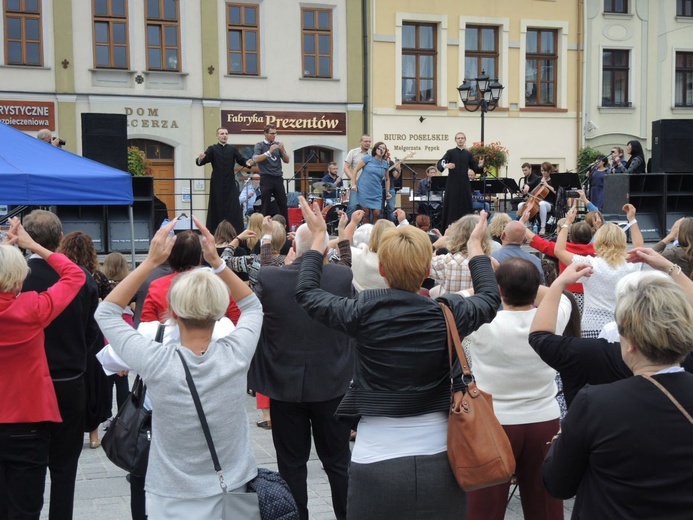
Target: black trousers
x=23, y=463
x=273, y=186
x=291, y=431
x=66, y=443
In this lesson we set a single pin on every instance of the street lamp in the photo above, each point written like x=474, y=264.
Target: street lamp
x=487, y=94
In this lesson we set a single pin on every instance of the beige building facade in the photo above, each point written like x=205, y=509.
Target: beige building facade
x=179, y=69
x=638, y=69
x=422, y=51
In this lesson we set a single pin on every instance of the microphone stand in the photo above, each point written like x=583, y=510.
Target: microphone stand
x=311, y=155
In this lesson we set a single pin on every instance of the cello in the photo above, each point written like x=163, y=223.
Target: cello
x=539, y=193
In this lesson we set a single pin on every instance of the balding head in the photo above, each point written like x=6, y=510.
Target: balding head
x=513, y=233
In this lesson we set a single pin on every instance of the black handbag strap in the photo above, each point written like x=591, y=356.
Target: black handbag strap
x=203, y=421
x=138, y=387
x=160, y=332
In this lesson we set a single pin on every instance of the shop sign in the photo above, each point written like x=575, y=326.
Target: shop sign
x=28, y=115
x=251, y=122
x=148, y=118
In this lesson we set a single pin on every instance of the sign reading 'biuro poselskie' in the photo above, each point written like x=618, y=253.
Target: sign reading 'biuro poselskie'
x=27, y=115
x=253, y=122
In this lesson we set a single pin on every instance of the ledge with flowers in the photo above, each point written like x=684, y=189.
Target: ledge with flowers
x=495, y=155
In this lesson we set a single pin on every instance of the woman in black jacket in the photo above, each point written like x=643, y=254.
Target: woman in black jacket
x=624, y=448
x=401, y=388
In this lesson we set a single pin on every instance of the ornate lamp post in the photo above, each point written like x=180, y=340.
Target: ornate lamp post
x=488, y=92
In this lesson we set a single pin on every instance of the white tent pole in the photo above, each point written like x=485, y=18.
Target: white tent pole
x=132, y=236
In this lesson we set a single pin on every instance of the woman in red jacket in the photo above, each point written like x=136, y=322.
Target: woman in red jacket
x=27, y=397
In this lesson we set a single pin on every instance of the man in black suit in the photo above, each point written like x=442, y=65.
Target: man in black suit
x=457, y=201
x=223, y=190
x=305, y=368
x=68, y=339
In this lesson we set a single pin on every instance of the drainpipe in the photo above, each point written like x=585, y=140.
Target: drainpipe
x=366, y=64
x=580, y=70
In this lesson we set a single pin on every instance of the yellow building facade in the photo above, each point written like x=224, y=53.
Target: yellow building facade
x=421, y=52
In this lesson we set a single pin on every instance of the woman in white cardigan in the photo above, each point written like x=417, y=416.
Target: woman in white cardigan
x=523, y=389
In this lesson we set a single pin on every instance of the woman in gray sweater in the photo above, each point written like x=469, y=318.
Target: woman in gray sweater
x=181, y=482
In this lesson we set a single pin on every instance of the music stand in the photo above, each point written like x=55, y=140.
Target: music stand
x=495, y=185
x=565, y=180
x=438, y=183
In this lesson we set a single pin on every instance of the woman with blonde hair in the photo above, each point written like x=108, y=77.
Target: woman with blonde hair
x=401, y=387
x=116, y=267
x=255, y=228
x=181, y=481
x=451, y=270
x=624, y=448
x=28, y=404
x=609, y=265
x=595, y=219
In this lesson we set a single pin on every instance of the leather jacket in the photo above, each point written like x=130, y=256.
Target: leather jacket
x=402, y=367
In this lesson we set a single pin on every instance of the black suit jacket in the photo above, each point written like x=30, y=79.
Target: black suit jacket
x=74, y=332
x=299, y=359
x=626, y=450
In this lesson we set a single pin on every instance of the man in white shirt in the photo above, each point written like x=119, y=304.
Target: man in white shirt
x=352, y=159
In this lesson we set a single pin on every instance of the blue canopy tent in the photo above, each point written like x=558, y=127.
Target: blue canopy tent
x=33, y=172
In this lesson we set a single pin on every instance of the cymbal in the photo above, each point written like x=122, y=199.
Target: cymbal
x=323, y=186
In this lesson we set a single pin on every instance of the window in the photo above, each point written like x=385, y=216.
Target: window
x=541, y=63
x=684, y=79
x=317, y=43
x=23, y=32
x=616, y=6
x=163, y=35
x=110, y=34
x=684, y=7
x=243, y=30
x=615, y=70
x=419, y=55
x=481, y=54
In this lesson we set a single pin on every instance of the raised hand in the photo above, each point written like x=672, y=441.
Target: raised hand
x=209, y=248
x=573, y=272
x=474, y=243
x=313, y=217
x=629, y=210
x=162, y=243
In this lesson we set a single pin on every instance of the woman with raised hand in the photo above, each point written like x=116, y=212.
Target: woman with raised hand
x=609, y=265
x=681, y=253
x=401, y=388
x=624, y=448
x=27, y=396
x=181, y=481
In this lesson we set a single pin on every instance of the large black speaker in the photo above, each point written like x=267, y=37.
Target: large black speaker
x=616, y=193
x=89, y=219
x=672, y=146
x=105, y=139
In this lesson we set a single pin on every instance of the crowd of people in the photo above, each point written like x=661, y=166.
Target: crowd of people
x=585, y=350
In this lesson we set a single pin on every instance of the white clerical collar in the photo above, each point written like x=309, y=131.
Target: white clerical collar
x=223, y=144
x=267, y=142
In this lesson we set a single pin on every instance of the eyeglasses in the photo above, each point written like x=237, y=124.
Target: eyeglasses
x=382, y=148
x=613, y=151
x=272, y=133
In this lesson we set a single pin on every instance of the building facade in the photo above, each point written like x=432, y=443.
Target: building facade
x=422, y=51
x=179, y=69
x=638, y=69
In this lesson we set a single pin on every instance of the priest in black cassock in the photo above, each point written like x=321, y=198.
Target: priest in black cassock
x=223, y=190
x=457, y=201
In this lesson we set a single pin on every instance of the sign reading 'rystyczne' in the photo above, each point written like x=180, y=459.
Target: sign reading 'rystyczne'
x=249, y=122
x=27, y=115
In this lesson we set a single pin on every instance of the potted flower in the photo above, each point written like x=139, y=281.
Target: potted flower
x=495, y=154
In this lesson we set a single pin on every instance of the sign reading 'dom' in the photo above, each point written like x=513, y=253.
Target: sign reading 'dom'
x=27, y=115
x=250, y=122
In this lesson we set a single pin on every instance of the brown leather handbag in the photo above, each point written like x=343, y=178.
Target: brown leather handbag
x=479, y=451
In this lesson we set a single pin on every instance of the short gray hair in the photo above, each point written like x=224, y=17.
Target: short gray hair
x=304, y=239
x=198, y=298
x=44, y=227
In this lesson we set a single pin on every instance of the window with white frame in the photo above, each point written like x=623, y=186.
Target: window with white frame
x=615, y=72
x=616, y=6
x=419, y=63
x=480, y=54
x=683, y=96
x=23, y=33
x=541, y=67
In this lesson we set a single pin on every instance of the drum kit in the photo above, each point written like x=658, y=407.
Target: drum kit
x=330, y=206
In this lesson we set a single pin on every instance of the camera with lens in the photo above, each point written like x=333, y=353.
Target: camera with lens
x=572, y=194
x=61, y=142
